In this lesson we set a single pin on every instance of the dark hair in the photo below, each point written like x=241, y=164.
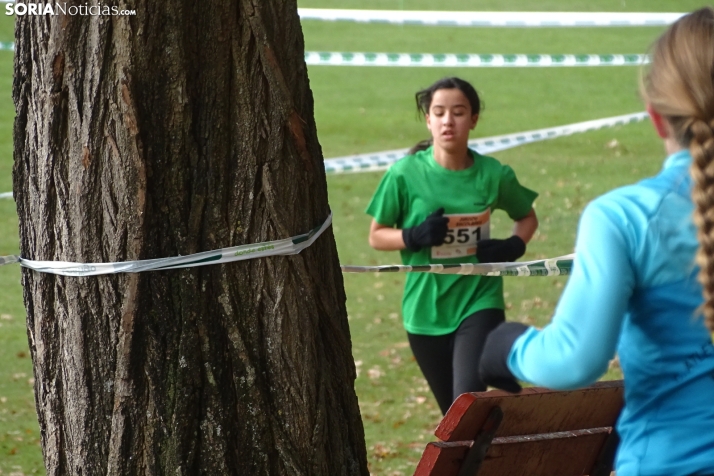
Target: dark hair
x=424, y=97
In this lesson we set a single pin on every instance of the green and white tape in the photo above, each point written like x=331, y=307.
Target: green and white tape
x=559, y=266
x=7, y=46
x=492, y=19
x=5, y=195
x=383, y=160
x=422, y=60
x=289, y=246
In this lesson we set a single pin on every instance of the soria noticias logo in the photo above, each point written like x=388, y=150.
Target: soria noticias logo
x=57, y=8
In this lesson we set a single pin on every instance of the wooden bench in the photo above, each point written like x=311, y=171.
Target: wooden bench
x=538, y=432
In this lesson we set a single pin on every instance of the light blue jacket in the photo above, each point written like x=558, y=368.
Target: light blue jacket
x=633, y=290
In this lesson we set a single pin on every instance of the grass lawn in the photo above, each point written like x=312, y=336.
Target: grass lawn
x=361, y=110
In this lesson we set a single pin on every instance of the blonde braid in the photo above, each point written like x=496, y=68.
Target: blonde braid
x=679, y=85
x=702, y=170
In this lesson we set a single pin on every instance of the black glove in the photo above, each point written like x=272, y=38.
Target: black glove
x=500, y=251
x=431, y=232
x=492, y=367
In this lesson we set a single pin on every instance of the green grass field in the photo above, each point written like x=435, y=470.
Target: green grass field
x=361, y=110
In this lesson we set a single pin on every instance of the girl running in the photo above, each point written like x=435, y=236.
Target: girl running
x=435, y=206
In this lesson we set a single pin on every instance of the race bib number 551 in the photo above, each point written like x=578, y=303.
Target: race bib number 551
x=465, y=230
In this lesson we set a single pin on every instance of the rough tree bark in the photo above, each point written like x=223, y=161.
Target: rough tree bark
x=187, y=127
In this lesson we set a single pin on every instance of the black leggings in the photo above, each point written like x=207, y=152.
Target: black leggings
x=450, y=362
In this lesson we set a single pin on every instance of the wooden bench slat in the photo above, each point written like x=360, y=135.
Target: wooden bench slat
x=442, y=458
x=544, y=457
x=561, y=453
x=534, y=410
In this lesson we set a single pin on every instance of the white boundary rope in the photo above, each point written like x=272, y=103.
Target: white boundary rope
x=492, y=19
x=289, y=246
x=382, y=160
x=421, y=60
x=547, y=267
x=559, y=266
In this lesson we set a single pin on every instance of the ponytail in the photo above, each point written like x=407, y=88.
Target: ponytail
x=421, y=145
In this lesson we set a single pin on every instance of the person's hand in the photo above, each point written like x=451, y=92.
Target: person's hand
x=493, y=366
x=500, y=251
x=431, y=232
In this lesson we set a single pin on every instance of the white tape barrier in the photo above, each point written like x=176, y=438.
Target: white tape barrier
x=289, y=246
x=7, y=46
x=559, y=266
x=547, y=267
x=383, y=160
x=492, y=19
x=5, y=195
x=421, y=60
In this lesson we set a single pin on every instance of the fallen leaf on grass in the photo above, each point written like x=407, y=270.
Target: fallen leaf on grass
x=527, y=319
x=373, y=417
x=381, y=451
x=375, y=372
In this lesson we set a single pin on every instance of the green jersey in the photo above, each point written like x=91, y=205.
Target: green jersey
x=416, y=186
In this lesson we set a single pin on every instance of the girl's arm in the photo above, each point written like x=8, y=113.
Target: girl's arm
x=526, y=226
x=576, y=347
x=385, y=238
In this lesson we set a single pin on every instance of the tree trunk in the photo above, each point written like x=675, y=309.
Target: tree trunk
x=187, y=127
